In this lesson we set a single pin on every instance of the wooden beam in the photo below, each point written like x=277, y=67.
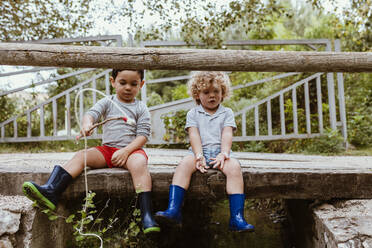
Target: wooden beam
x=183, y=59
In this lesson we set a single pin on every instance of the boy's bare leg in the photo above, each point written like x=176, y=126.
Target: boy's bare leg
x=75, y=166
x=137, y=166
x=234, y=176
x=184, y=171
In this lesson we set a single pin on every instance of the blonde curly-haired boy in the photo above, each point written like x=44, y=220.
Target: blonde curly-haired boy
x=210, y=127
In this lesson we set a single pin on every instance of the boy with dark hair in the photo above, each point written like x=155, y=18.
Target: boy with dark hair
x=121, y=147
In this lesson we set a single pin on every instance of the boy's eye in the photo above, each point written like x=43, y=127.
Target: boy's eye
x=134, y=83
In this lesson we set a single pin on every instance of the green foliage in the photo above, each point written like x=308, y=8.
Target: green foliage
x=154, y=99
x=180, y=92
x=175, y=127
x=360, y=129
x=113, y=231
x=46, y=19
x=165, y=90
x=204, y=21
x=329, y=143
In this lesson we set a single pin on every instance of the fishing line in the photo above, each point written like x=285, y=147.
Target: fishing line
x=125, y=118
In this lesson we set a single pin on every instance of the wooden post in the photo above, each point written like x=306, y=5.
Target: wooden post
x=183, y=59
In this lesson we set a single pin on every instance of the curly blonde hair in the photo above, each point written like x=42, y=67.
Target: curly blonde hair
x=202, y=80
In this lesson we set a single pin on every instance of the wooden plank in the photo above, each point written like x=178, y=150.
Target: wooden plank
x=269, y=120
x=282, y=115
x=183, y=59
x=320, y=104
x=307, y=107
x=294, y=109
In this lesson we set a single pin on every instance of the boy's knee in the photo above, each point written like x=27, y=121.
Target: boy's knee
x=137, y=167
x=79, y=155
x=234, y=167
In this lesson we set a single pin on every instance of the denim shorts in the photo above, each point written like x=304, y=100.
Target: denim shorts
x=210, y=153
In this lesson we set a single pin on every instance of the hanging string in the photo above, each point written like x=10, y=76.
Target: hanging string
x=125, y=118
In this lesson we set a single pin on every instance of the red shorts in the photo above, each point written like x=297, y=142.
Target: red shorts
x=108, y=151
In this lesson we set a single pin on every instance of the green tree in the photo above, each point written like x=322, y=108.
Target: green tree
x=43, y=19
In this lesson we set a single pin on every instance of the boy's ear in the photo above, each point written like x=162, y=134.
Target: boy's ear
x=112, y=81
x=142, y=83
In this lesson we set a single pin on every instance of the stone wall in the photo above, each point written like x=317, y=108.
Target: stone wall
x=23, y=226
x=343, y=224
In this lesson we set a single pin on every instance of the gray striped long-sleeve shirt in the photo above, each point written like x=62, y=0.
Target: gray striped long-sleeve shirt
x=117, y=133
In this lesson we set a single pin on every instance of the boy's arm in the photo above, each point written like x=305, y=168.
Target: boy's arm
x=196, y=146
x=120, y=157
x=226, y=142
x=87, y=123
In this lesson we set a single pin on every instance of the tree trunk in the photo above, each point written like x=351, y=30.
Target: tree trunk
x=183, y=59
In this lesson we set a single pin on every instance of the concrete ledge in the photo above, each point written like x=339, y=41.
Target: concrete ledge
x=265, y=175
x=344, y=224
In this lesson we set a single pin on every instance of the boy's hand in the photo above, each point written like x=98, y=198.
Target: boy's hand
x=85, y=129
x=200, y=163
x=119, y=158
x=219, y=161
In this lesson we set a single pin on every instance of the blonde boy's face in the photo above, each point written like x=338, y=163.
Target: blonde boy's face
x=211, y=97
x=127, y=85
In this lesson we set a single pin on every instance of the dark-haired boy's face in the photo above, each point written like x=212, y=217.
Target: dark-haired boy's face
x=127, y=85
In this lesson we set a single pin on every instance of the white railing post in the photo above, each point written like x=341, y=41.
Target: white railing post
x=68, y=115
x=294, y=109
x=331, y=96
x=42, y=126
x=341, y=97
x=244, y=124
x=320, y=104
x=282, y=114
x=256, y=121
x=269, y=121
x=307, y=107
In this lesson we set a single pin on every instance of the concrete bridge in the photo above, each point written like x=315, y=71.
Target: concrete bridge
x=284, y=176
x=345, y=223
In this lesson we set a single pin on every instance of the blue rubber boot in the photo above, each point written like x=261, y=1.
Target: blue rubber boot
x=237, y=221
x=149, y=225
x=173, y=215
x=47, y=195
